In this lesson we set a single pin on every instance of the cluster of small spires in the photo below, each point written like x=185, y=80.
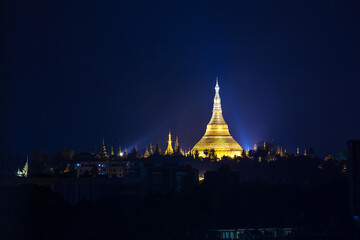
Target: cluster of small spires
x=279, y=150
x=170, y=150
x=148, y=151
x=103, y=152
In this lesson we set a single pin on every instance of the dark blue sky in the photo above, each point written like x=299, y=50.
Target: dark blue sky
x=76, y=71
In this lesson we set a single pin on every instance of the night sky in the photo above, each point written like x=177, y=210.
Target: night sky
x=74, y=72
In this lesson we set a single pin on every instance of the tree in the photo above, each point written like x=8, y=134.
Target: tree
x=243, y=154
x=177, y=150
x=251, y=153
x=212, y=153
x=311, y=151
x=265, y=145
x=196, y=153
x=157, y=149
x=94, y=148
x=61, y=159
x=206, y=152
x=134, y=153
x=40, y=161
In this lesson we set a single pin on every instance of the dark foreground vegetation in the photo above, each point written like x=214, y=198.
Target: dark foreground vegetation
x=34, y=212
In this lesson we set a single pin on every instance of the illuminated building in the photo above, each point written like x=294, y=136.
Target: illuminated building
x=24, y=171
x=115, y=168
x=90, y=164
x=217, y=135
x=169, y=150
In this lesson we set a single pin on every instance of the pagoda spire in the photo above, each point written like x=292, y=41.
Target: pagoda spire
x=147, y=154
x=24, y=172
x=151, y=150
x=103, y=149
x=217, y=117
x=176, y=147
x=119, y=152
x=169, y=149
x=157, y=148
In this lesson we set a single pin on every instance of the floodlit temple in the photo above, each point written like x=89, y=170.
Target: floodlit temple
x=217, y=135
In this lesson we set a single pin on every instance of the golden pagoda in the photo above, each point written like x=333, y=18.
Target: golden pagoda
x=169, y=149
x=119, y=154
x=151, y=152
x=217, y=135
x=147, y=154
x=103, y=152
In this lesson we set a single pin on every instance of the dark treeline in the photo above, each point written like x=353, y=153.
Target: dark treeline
x=33, y=211
x=304, y=192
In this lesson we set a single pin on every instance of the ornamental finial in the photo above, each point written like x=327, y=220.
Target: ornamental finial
x=217, y=88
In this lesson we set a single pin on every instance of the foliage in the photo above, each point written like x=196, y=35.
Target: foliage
x=206, y=152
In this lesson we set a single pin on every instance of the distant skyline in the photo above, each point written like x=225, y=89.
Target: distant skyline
x=75, y=72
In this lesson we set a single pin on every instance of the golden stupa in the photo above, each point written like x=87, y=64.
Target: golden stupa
x=217, y=135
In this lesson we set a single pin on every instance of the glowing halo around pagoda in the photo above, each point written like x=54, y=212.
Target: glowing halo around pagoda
x=217, y=135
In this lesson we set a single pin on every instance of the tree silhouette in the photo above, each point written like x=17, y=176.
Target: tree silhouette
x=243, y=154
x=206, y=152
x=94, y=148
x=157, y=149
x=40, y=161
x=61, y=159
x=212, y=154
x=177, y=150
x=196, y=154
x=134, y=153
x=311, y=151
